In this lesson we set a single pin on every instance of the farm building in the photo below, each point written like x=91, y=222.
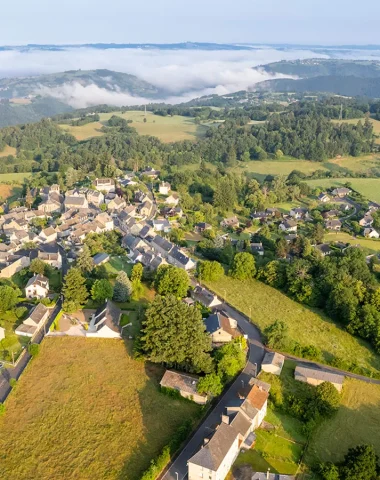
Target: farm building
x=185, y=384
x=273, y=363
x=315, y=377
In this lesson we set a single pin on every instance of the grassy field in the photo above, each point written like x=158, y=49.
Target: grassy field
x=85, y=409
x=167, y=129
x=308, y=326
x=357, y=422
x=8, y=151
x=116, y=264
x=10, y=191
x=369, y=244
x=368, y=187
x=14, y=177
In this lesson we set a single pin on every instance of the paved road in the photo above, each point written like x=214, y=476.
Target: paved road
x=256, y=355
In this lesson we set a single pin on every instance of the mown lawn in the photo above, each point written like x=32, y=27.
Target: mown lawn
x=116, y=264
x=14, y=177
x=85, y=409
x=356, y=422
x=368, y=187
x=307, y=326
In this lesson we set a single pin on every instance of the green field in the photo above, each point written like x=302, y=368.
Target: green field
x=8, y=151
x=307, y=326
x=85, y=409
x=167, y=129
x=116, y=264
x=357, y=422
x=14, y=177
x=368, y=187
x=371, y=245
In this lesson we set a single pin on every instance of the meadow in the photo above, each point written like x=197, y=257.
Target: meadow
x=167, y=129
x=368, y=187
x=84, y=409
x=264, y=305
x=8, y=151
x=370, y=245
x=356, y=422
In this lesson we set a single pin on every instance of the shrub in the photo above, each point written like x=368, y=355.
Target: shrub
x=33, y=349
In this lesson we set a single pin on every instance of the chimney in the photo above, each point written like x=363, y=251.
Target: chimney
x=226, y=419
x=268, y=473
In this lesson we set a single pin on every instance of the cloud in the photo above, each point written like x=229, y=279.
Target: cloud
x=184, y=74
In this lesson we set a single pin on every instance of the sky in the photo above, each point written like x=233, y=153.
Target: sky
x=169, y=21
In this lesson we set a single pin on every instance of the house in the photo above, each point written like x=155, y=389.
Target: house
x=152, y=261
x=335, y=225
x=366, y=221
x=145, y=209
x=215, y=459
x=105, y=221
x=150, y=172
x=73, y=201
x=50, y=205
x=94, y=197
x=164, y=188
x=291, y=237
x=48, y=235
x=298, y=213
x=105, y=322
x=180, y=259
x=34, y=322
x=231, y=222
x=341, y=192
x=105, y=185
x=185, y=384
x=205, y=297
x=172, y=199
x=324, y=249
x=162, y=225
x=371, y=233
x=288, y=226
x=273, y=363
x=117, y=204
x=271, y=476
x=257, y=248
x=14, y=264
x=2, y=333
x=100, y=259
x=49, y=253
x=202, y=227
x=323, y=197
x=221, y=327
x=37, y=287
x=161, y=246
x=315, y=377
x=331, y=214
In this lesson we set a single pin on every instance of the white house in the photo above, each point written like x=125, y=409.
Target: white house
x=48, y=235
x=371, y=233
x=273, y=363
x=105, y=322
x=105, y=185
x=366, y=221
x=180, y=259
x=288, y=226
x=34, y=322
x=164, y=188
x=37, y=287
x=323, y=197
x=215, y=459
x=162, y=225
x=172, y=199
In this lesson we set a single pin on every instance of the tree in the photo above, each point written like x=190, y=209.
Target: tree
x=74, y=290
x=123, y=287
x=176, y=235
x=102, y=290
x=37, y=266
x=329, y=471
x=276, y=334
x=9, y=297
x=210, y=271
x=327, y=399
x=137, y=272
x=282, y=248
x=174, y=333
x=171, y=280
x=360, y=463
x=85, y=261
x=211, y=384
x=225, y=196
x=243, y=266
x=230, y=360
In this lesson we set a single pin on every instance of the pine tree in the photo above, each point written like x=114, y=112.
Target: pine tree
x=74, y=290
x=122, y=288
x=85, y=261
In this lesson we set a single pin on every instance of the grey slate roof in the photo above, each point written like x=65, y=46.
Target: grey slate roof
x=319, y=375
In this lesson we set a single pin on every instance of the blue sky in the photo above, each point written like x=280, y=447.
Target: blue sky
x=166, y=21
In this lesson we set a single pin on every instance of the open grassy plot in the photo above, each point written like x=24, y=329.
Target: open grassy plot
x=116, y=264
x=167, y=129
x=369, y=244
x=85, y=409
x=306, y=326
x=8, y=151
x=356, y=422
x=10, y=191
x=368, y=187
x=14, y=177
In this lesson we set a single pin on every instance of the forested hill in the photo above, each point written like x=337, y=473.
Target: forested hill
x=347, y=86
x=44, y=146
x=107, y=79
x=342, y=77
